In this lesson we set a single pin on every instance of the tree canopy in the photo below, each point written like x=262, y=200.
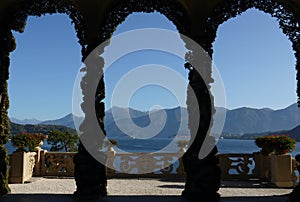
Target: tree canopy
x=63, y=141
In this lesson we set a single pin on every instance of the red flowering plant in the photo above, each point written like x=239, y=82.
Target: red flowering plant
x=27, y=140
x=277, y=144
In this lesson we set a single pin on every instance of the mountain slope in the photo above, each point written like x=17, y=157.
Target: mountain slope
x=171, y=127
x=65, y=121
x=247, y=120
x=238, y=121
x=25, y=121
x=294, y=133
x=29, y=128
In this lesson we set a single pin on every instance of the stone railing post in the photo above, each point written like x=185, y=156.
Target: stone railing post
x=38, y=162
x=22, y=164
x=295, y=195
x=110, y=156
x=282, y=170
x=257, y=159
x=42, y=162
x=262, y=168
x=180, y=170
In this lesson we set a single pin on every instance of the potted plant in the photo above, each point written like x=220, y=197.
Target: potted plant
x=26, y=140
x=110, y=143
x=182, y=144
x=284, y=144
x=20, y=141
x=275, y=144
x=277, y=147
x=35, y=141
x=22, y=161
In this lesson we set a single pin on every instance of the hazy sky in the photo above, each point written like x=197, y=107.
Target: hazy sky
x=253, y=56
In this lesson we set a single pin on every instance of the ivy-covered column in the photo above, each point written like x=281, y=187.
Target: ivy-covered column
x=202, y=176
x=202, y=171
x=90, y=174
x=7, y=45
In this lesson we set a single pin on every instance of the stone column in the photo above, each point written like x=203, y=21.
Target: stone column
x=90, y=174
x=202, y=176
x=295, y=195
x=7, y=45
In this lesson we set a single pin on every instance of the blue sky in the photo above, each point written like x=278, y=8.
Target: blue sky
x=247, y=51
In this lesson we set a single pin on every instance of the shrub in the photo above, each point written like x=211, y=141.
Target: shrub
x=278, y=144
x=110, y=141
x=182, y=143
x=63, y=141
x=27, y=140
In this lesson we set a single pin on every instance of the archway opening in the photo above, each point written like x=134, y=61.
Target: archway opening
x=147, y=98
x=42, y=73
x=257, y=64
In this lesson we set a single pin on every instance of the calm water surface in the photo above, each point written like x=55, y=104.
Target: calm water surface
x=224, y=146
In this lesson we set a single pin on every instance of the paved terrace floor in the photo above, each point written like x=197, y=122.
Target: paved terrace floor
x=136, y=190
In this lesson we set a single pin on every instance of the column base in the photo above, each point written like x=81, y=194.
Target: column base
x=202, y=179
x=90, y=177
x=295, y=195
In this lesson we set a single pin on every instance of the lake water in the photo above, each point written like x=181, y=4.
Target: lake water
x=137, y=145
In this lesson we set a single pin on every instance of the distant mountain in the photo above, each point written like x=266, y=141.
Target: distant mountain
x=142, y=119
x=238, y=121
x=64, y=121
x=121, y=113
x=248, y=120
x=25, y=121
x=295, y=133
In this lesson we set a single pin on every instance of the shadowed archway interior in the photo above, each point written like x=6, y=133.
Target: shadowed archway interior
x=95, y=22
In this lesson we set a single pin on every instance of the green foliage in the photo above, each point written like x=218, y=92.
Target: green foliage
x=20, y=141
x=39, y=128
x=111, y=141
x=27, y=140
x=182, y=143
x=278, y=144
x=63, y=141
x=4, y=121
x=4, y=133
x=4, y=189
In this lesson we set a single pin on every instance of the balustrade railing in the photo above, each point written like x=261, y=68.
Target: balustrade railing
x=56, y=164
x=237, y=166
x=154, y=165
x=167, y=165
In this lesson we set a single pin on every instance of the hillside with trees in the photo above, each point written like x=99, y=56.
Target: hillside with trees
x=39, y=128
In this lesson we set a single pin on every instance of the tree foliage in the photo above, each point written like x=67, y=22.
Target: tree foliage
x=39, y=128
x=62, y=141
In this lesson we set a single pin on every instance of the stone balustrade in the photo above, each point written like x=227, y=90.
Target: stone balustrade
x=21, y=166
x=167, y=165
x=56, y=164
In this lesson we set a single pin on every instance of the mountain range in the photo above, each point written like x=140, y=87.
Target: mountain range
x=238, y=121
x=249, y=120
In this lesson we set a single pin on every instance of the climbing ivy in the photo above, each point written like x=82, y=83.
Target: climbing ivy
x=15, y=19
x=17, y=14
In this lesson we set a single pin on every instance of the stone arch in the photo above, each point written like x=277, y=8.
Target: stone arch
x=14, y=18
x=90, y=175
x=288, y=18
x=174, y=11
x=18, y=14
x=115, y=16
